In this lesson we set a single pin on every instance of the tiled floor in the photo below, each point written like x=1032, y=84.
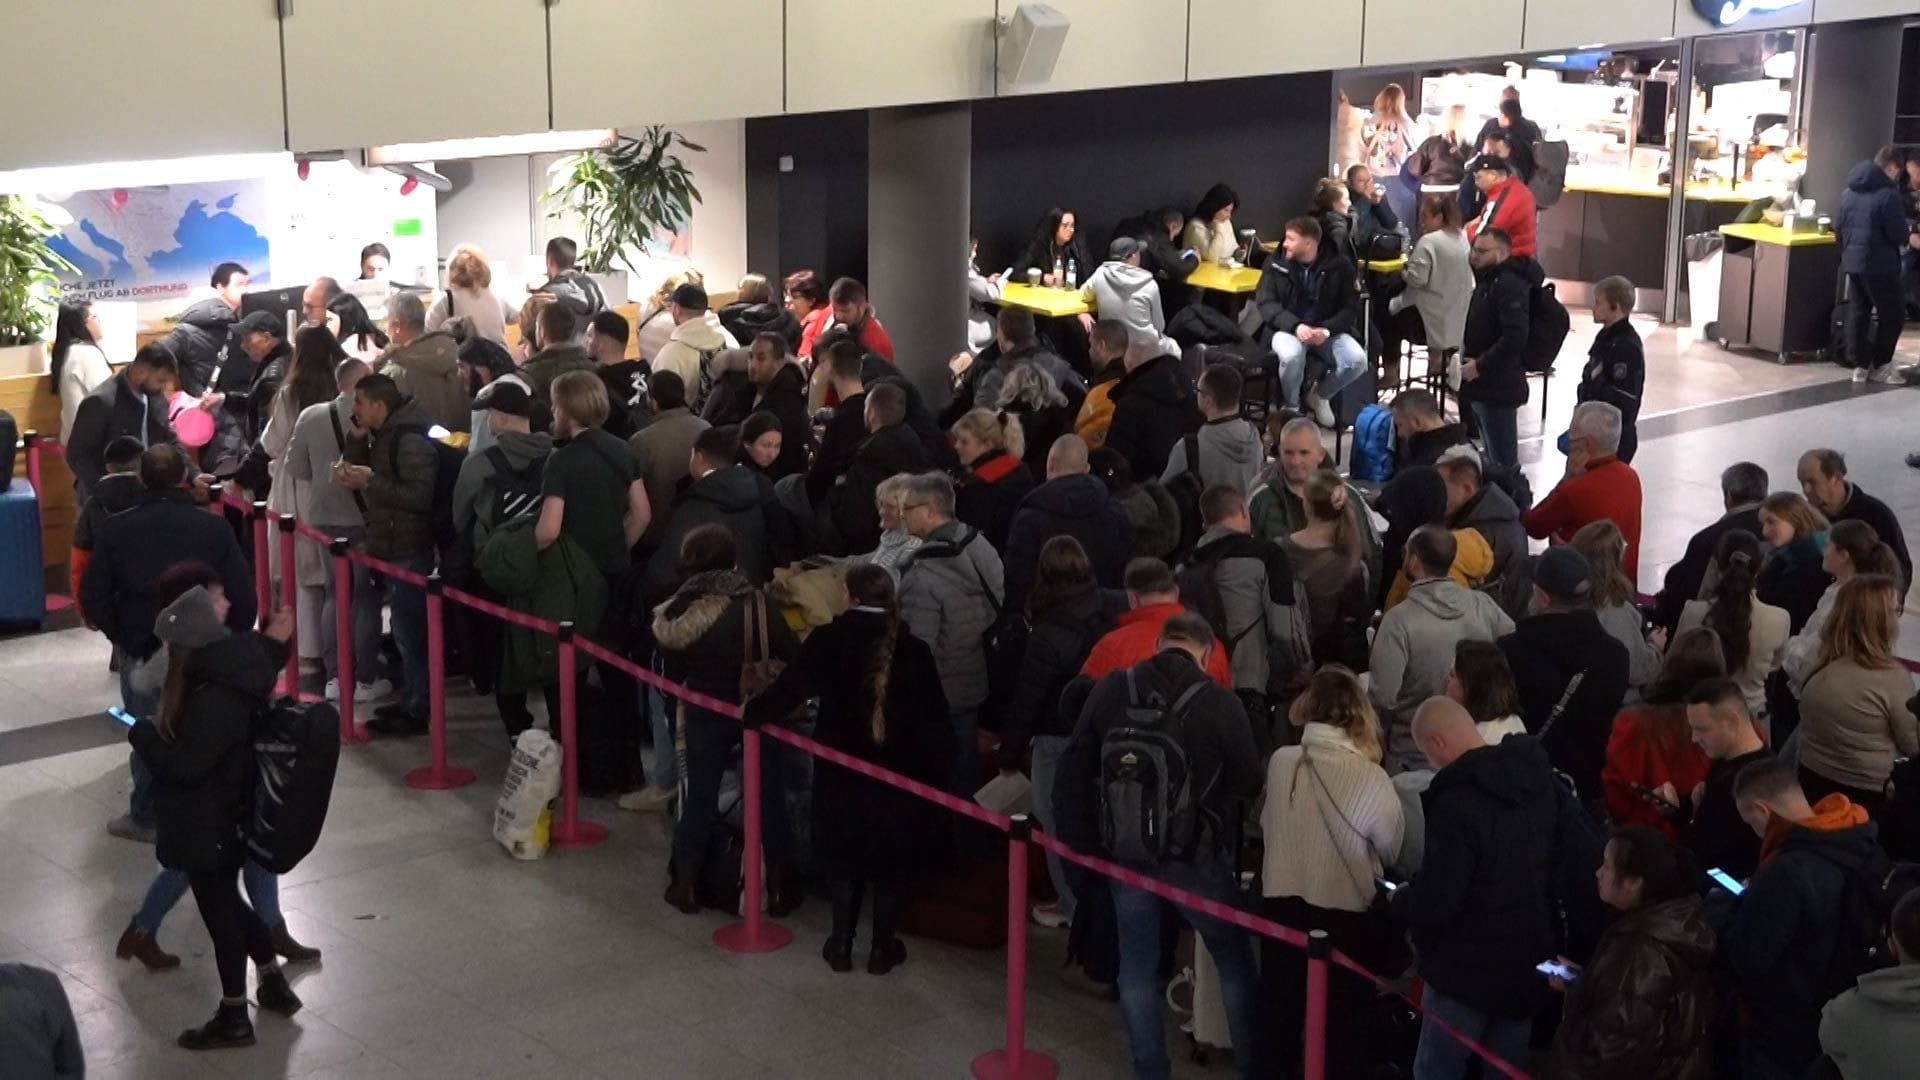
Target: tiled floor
x=446, y=958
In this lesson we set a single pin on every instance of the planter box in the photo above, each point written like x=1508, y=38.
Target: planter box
x=613, y=284
x=23, y=360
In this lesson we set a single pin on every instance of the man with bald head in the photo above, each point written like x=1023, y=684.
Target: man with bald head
x=1480, y=911
x=1071, y=503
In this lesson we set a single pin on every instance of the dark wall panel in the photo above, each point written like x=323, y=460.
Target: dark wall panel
x=1850, y=101
x=814, y=217
x=1109, y=154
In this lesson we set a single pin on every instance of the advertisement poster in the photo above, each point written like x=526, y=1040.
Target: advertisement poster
x=155, y=244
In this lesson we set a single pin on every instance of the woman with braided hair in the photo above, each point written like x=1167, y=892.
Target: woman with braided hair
x=880, y=701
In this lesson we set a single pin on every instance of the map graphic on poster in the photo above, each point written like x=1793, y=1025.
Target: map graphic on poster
x=161, y=243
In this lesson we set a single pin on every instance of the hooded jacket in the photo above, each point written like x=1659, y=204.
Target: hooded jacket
x=116, y=492
x=730, y=391
x=1153, y=406
x=1231, y=455
x=851, y=505
x=1643, y=1007
x=689, y=353
x=983, y=391
x=1781, y=939
x=951, y=592
x=1062, y=638
x=731, y=498
x=554, y=361
x=1547, y=652
x=990, y=495
x=785, y=396
x=1267, y=630
x=1413, y=651
x=201, y=342
x=1472, y=567
x=1493, y=514
x=473, y=492
x=701, y=629
x=1480, y=911
x=1129, y=294
x=1076, y=506
x=1871, y=223
x=135, y=547
x=400, y=498
x=427, y=369
x=1871, y=1030
x=1499, y=318
x=745, y=321
x=204, y=775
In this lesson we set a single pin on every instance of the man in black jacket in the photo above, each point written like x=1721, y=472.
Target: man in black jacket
x=846, y=425
x=1224, y=768
x=1823, y=480
x=202, y=337
x=1499, y=318
x=1742, y=487
x=718, y=492
x=1422, y=429
x=891, y=447
x=1720, y=724
x=1481, y=912
x=576, y=290
x=780, y=387
x=1310, y=309
x=1571, y=673
x=1154, y=407
x=128, y=404
x=1071, y=503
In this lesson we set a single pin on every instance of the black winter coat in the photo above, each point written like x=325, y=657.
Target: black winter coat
x=1041, y=427
x=1041, y=253
x=1871, y=223
x=110, y=411
x=1499, y=317
x=137, y=546
x=785, y=396
x=730, y=401
x=1425, y=447
x=744, y=321
x=846, y=429
x=1076, y=506
x=1685, y=577
x=863, y=826
x=1323, y=295
x=201, y=341
x=1880, y=517
x=1154, y=406
x=856, y=517
x=1643, y=1008
x=1616, y=373
x=731, y=498
x=701, y=631
x=1062, y=637
x=204, y=776
x=1546, y=652
x=1792, y=578
x=990, y=494
x=1480, y=910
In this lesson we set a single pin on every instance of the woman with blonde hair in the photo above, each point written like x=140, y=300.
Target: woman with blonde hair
x=1391, y=134
x=1612, y=595
x=1332, y=824
x=990, y=444
x=656, y=319
x=1325, y=556
x=755, y=310
x=1033, y=395
x=469, y=295
x=897, y=545
x=1854, y=720
x=1792, y=577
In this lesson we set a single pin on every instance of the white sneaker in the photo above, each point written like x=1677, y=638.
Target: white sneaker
x=1888, y=374
x=648, y=800
x=333, y=690
x=1860, y=374
x=367, y=693
x=1050, y=916
x=1322, y=410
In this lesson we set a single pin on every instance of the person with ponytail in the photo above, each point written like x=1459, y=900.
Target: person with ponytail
x=881, y=702
x=992, y=447
x=1852, y=548
x=1753, y=634
x=77, y=366
x=1326, y=558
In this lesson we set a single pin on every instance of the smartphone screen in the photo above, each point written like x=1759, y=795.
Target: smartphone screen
x=1389, y=886
x=1726, y=881
x=121, y=715
x=1555, y=969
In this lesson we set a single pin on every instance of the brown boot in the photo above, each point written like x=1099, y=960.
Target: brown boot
x=137, y=943
x=290, y=950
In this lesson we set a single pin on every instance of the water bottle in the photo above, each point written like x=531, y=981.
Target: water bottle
x=1073, y=273
x=1058, y=271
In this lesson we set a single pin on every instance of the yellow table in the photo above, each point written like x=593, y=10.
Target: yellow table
x=1239, y=281
x=1385, y=266
x=1761, y=233
x=1042, y=300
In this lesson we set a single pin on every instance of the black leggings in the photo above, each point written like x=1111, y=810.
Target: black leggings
x=237, y=932
x=847, y=891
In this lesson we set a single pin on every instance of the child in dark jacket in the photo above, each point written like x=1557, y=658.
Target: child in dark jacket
x=1616, y=369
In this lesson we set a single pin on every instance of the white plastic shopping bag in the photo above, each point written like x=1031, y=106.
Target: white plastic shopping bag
x=533, y=779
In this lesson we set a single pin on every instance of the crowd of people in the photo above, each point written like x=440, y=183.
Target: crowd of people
x=1216, y=660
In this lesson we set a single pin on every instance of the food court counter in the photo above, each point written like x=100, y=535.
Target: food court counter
x=1598, y=229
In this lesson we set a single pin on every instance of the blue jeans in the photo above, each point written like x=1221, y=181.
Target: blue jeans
x=1047, y=752
x=1499, y=433
x=263, y=892
x=1341, y=354
x=1442, y=1057
x=141, y=706
x=409, y=604
x=1138, y=914
x=661, y=772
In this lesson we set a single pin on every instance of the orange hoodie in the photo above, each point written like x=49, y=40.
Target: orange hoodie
x=1835, y=813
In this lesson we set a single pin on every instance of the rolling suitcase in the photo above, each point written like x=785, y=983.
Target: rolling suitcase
x=23, y=581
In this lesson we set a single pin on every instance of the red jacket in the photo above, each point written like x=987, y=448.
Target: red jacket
x=1509, y=208
x=873, y=337
x=1608, y=491
x=1137, y=640
x=1634, y=758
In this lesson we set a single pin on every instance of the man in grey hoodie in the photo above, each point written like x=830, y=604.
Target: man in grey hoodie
x=1413, y=649
x=1122, y=289
x=1261, y=615
x=1870, y=1029
x=1227, y=445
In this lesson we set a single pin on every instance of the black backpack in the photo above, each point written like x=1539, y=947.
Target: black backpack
x=296, y=748
x=1149, y=809
x=1547, y=328
x=1873, y=886
x=1185, y=489
x=446, y=473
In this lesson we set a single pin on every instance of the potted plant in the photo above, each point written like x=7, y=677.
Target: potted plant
x=27, y=282
x=630, y=198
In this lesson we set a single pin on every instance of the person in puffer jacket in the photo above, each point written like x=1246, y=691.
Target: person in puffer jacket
x=950, y=593
x=1873, y=236
x=1121, y=289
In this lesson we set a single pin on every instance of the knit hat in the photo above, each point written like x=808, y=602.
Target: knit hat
x=190, y=621
x=1563, y=573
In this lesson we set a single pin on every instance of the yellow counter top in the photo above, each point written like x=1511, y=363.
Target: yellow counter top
x=1042, y=300
x=1239, y=280
x=1714, y=193
x=1774, y=234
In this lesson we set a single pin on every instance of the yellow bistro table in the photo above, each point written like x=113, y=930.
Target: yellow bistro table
x=1042, y=300
x=1776, y=289
x=1238, y=281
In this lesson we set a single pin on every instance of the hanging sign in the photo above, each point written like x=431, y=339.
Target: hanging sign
x=1729, y=12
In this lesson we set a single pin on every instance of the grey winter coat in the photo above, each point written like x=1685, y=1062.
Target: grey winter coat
x=38, y=1036
x=1871, y=1029
x=427, y=369
x=1230, y=455
x=1643, y=657
x=1267, y=632
x=1413, y=651
x=949, y=595
x=473, y=492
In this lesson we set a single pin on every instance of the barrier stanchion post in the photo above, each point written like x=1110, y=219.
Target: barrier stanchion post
x=290, y=601
x=262, y=563
x=31, y=440
x=1319, y=950
x=343, y=640
x=570, y=831
x=753, y=934
x=1015, y=1061
x=438, y=776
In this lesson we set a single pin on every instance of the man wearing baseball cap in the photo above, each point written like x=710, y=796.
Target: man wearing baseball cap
x=696, y=339
x=1570, y=672
x=1506, y=204
x=1124, y=291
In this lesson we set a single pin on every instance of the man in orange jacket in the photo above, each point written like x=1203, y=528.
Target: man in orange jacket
x=1153, y=597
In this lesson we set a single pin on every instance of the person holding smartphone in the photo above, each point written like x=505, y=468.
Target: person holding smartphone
x=1643, y=1006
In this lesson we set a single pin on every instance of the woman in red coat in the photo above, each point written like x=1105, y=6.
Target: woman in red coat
x=1652, y=765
